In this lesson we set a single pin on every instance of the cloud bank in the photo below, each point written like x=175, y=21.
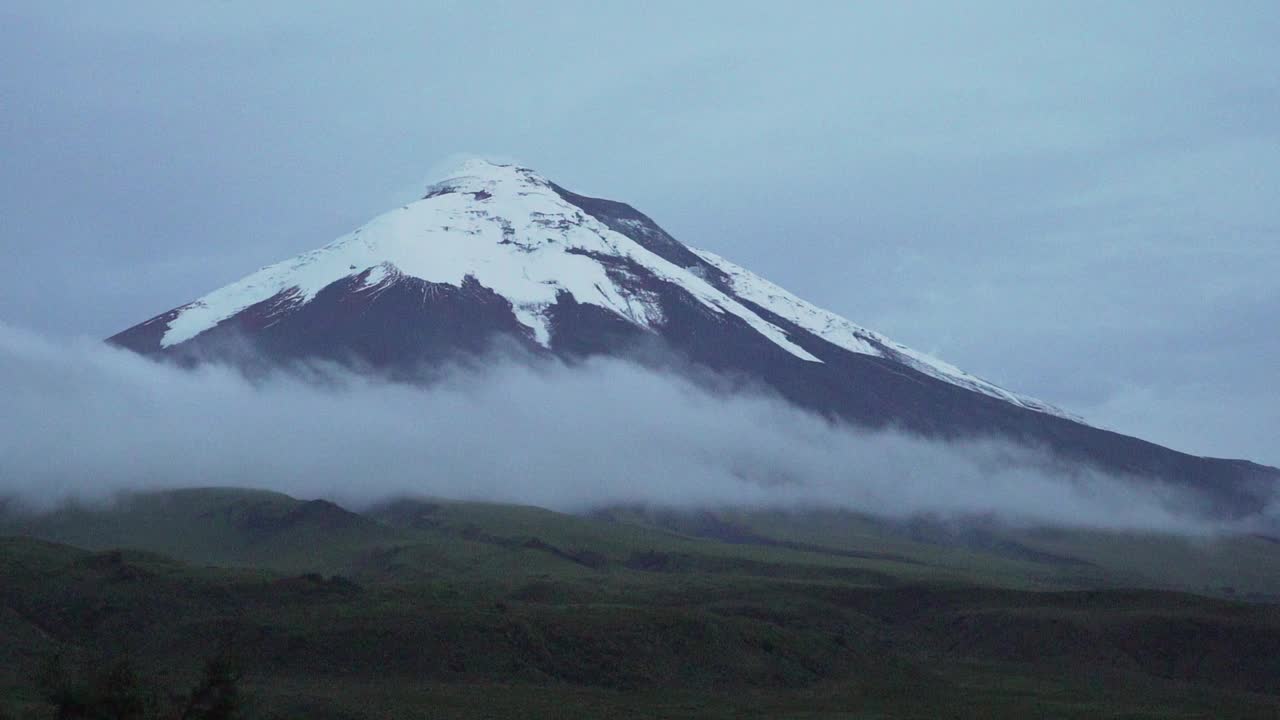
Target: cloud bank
x=84, y=420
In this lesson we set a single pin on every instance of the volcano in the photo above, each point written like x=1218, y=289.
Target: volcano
x=498, y=253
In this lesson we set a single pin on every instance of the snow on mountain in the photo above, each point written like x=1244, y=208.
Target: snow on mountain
x=502, y=225
x=514, y=232
x=843, y=333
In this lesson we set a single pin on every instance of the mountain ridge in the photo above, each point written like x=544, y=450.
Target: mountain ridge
x=715, y=280
x=498, y=250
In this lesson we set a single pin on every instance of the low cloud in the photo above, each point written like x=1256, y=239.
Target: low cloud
x=84, y=420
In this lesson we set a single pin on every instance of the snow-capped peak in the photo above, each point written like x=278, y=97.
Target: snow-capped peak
x=516, y=233
x=502, y=225
x=476, y=174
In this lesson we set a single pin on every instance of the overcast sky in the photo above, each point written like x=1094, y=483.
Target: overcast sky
x=1078, y=201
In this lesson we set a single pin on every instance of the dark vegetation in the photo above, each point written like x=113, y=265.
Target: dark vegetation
x=112, y=689
x=255, y=605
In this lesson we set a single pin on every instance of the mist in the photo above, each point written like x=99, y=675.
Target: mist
x=87, y=421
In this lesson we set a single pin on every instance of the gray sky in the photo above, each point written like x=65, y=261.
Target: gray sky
x=1078, y=201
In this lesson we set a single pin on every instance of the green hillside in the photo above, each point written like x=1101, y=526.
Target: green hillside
x=428, y=608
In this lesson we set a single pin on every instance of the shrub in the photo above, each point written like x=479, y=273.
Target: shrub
x=217, y=696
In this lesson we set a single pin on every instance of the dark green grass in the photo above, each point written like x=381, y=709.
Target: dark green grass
x=470, y=610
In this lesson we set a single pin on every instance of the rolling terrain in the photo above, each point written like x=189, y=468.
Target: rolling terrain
x=442, y=609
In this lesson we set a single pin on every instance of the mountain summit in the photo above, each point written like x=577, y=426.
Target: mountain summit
x=500, y=251
x=507, y=230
